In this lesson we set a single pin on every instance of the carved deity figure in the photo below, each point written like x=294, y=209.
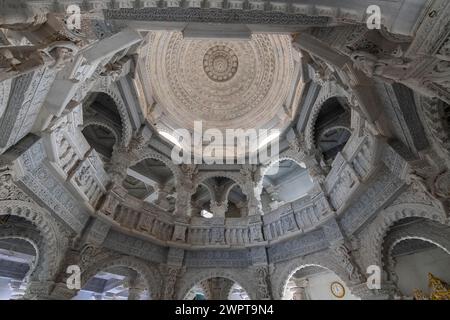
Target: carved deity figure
x=263, y=288
x=171, y=278
x=343, y=254
x=15, y=60
x=391, y=68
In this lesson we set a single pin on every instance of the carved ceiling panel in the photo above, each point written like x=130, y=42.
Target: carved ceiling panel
x=227, y=84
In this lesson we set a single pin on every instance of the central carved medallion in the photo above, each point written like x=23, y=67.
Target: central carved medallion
x=220, y=63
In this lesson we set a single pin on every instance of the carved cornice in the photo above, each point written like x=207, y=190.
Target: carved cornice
x=214, y=15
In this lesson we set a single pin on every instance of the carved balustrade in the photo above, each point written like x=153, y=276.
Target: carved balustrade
x=296, y=217
x=82, y=169
x=80, y=166
x=148, y=220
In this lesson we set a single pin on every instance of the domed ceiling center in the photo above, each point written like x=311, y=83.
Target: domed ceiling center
x=225, y=84
x=220, y=63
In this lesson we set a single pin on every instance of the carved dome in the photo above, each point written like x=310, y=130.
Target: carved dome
x=226, y=84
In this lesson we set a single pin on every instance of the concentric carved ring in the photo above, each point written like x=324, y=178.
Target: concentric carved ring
x=220, y=63
x=226, y=84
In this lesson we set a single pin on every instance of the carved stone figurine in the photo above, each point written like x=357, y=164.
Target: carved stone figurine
x=15, y=60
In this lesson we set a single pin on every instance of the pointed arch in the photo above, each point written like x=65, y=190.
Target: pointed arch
x=54, y=244
x=151, y=277
x=193, y=277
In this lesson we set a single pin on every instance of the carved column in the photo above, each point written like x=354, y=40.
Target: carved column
x=219, y=209
x=219, y=288
x=125, y=154
x=343, y=256
x=135, y=288
x=59, y=289
x=252, y=188
x=298, y=150
x=263, y=283
x=243, y=208
x=170, y=282
x=274, y=197
x=18, y=289
x=185, y=189
x=171, y=272
x=298, y=289
x=163, y=193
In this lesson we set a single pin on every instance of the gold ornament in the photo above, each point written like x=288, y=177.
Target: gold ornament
x=439, y=290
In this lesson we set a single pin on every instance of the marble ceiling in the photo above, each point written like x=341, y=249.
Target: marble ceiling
x=226, y=84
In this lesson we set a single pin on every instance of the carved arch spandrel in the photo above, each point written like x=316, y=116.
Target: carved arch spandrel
x=328, y=91
x=113, y=92
x=270, y=164
x=235, y=176
x=424, y=230
x=283, y=272
x=54, y=245
x=149, y=154
x=34, y=239
x=373, y=236
x=104, y=124
x=150, y=275
x=195, y=276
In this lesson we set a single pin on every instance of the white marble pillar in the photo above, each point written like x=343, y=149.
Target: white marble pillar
x=18, y=289
x=298, y=289
x=219, y=209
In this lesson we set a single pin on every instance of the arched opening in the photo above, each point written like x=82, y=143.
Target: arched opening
x=114, y=283
x=414, y=260
x=237, y=203
x=200, y=202
x=332, y=128
x=238, y=293
x=152, y=181
x=138, y=188
x=285, y=181
x=102, y=139
x=314, y=282
x=219, y=197
x=217, y=288
x=413, y=248
x=102, y=123
x=18, y=257
x=197, y=292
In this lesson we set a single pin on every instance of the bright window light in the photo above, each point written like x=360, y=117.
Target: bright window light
x=169, y=137
x=206, y=214
x=269, y=138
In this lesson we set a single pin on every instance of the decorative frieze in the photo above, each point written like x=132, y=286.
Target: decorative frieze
x=311, y=242
x=215, y=15
x=216, y=258
x=129, y=245
x=27, y=94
